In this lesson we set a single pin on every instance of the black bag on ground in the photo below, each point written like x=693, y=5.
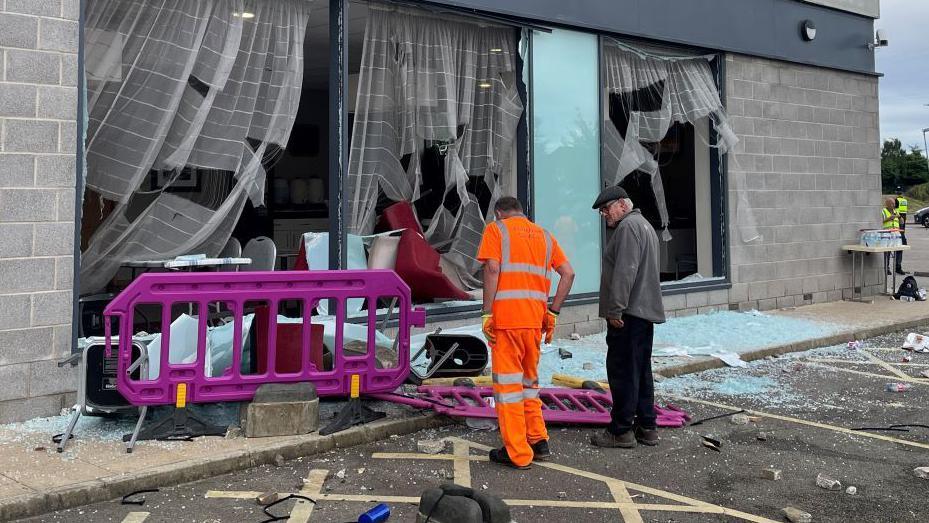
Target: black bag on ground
x=909, y=287
x=456, y=504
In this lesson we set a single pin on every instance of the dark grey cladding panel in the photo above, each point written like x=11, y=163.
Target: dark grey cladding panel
x=768, y=28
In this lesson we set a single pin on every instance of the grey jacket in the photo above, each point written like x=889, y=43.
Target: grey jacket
x=629, y=277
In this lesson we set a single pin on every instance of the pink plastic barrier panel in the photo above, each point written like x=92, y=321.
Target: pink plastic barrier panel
x=263, y=349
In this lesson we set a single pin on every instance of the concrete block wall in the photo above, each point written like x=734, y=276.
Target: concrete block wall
x=807, y=173
x=38, y=135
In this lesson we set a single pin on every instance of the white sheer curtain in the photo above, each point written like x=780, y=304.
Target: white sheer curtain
x=188, y=101
x=657, y=88
x=429, y=80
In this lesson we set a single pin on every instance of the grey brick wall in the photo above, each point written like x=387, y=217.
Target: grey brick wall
x=809, y=165
x=38, y=106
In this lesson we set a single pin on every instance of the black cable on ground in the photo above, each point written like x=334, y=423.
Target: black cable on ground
x=272, y=517
x=138, y=502
x=711, y=418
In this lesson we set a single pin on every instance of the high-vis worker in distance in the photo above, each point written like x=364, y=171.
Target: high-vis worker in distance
x=519, y=257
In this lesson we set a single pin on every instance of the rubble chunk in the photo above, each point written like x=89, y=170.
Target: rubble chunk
x=771, y=474
x=739, y=419
x=430, y=446
x=267, y=498
x=796, y=515
x=278, y=460
x=762, y=436
x=921, y=472
x=851, y=491
x=825, y=482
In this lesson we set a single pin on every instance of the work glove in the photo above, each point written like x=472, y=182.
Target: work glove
x=548, y=325
x=487, y=324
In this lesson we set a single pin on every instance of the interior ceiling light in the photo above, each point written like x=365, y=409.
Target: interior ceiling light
x=496, y=50
x=485, y=85
x=245, y=15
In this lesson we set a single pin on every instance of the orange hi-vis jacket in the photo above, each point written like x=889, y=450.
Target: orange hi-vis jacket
x=527, y=253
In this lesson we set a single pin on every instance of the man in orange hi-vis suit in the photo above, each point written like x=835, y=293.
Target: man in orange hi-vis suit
x=518, y=258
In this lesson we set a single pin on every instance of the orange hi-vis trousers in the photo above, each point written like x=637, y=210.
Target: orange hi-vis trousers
x=516, y=391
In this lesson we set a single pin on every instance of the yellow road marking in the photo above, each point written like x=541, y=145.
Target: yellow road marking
x=863, y=362
x=628, y=511
x=311, y=488
x=816, y=424
x=870, y=374
x=136, y=517
x=462, y=463
x=890, y=368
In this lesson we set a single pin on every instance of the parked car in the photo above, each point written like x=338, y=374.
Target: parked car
x=922, y=216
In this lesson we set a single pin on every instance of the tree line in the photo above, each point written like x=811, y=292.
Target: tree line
x=901, y=167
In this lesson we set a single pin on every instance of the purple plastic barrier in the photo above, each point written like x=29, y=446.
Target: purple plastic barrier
x=574, y=406
x=234, y=289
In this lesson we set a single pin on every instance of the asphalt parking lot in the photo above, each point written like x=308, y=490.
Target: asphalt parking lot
x=803, y=410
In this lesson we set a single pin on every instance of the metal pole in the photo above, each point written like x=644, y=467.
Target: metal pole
x=925, y=149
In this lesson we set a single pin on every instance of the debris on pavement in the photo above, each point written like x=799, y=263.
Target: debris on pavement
x=854, y=345
x=575, y=336
x=916, y=342
x=138, y=502
x=906, y=358
x=825, y=482
x=711, y=418
x=739, y=419
x=710, y=443
x=762, y=436
x=267, y=498
x=897, y=387
x=921, y=472
x=771, y=474
x=565, y=354
x=340, y=474
x=278, y=460
x=430, y=446
x=795, y=515
x=924, y=373
x=851, y=491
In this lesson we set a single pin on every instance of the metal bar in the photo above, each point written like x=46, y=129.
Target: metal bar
x=338, y=134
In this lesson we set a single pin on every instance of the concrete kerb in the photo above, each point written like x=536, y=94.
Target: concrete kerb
x=800, y=346
x=113, y=487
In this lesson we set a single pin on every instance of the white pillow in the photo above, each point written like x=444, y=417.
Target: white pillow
x=383, y=253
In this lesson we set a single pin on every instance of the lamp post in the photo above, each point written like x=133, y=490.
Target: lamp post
x=925, y=151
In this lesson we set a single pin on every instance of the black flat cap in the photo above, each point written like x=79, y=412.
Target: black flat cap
x=609, y=194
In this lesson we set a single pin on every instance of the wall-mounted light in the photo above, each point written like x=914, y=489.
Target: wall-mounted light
x=808, y=30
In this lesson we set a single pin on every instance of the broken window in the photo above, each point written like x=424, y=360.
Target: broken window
x=662, y=120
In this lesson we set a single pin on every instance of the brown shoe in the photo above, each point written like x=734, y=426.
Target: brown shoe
x=607, y=439
x=647, y=436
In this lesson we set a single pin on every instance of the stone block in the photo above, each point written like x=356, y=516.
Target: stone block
x=71, y=9
x=29, y=408
x=26, y=345
x=718, y=297
x=61, y=341
x=52, y=308
x=14, y=381
x=30, y=136
x=54, y=239
x=58, y=35
x=18, y=31
x=57, y=102
x=786, y=301
x=14, y=311
x=64, y=273
x=56, y=170
x=69, y=69
x=17, y=100
x=696, y=299
x=67, y=142
x=767, y=305
x=16, y=240
x=281, y=410
x=26, y=275
x=738, y=293
x=35, y=7
x=710, y=309
x=32, y=67
x=674, y=302
x=66, y=205
x=17, y=170
x=46, y=377
x=28, y=205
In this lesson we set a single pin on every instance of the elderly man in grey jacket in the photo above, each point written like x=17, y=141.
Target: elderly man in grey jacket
x=630, y=301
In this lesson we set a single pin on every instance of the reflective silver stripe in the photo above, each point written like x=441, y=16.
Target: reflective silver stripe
x=508, y=379
x=548, y=255
x=521, y=295
x=524, y=267
x=508, y=397
x=530, y=382
x=504, y=243
x=531, y=393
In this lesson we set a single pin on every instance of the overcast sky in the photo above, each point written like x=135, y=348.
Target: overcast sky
x=905, y=64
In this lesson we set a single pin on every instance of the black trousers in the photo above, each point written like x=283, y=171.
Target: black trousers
x=629, y=371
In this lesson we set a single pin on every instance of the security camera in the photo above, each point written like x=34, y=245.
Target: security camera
x=880, y=39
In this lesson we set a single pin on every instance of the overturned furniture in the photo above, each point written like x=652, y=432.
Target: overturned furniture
x=178, y=384
x=450, y=356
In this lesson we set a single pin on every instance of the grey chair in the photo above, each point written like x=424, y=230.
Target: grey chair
x=233, y=249
x=262, y=252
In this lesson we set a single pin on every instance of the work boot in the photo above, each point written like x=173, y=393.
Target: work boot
x=500, y=456
x=900, y=271
x=647, y=436
x=607, y=439
x=540, y=450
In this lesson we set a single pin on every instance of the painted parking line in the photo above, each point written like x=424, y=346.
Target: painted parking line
x=799, y=421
